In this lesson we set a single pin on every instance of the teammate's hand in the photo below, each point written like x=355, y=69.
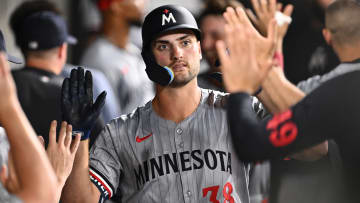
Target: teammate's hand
x=250, y=53
x=7, y=86
x=61, y=153
x=265, y=10
x=77, y=104
x=264, y=47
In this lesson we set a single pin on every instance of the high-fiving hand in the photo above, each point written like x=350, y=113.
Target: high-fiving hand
x=61, y=153
x=265, y=11
x=7, y=85
x=250, y=56
x=77, y=104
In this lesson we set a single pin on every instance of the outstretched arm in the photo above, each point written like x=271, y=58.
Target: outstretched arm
x=278, y=94
x=37, y=180
x=265, y=11
x=297, y=128
x=79, y=110
x=78, y=187
x=309, y=122
x=273, y=136
x=242, y=38
x=61, y=153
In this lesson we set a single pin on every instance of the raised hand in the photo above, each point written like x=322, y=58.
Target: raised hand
x=61, y=153
x=265, y=11
x=264, y=46
x=285, y=13
x=77, y=104
x=250, y=55
x=7, y=85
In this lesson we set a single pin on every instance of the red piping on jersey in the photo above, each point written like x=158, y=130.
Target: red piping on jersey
x=104, y=185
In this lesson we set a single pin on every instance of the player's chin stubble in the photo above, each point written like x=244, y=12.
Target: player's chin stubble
x=180, y=82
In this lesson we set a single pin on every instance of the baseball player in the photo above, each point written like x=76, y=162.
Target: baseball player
x=117, y=57
x=177, y=147
x=27, y=156
x=329, y=112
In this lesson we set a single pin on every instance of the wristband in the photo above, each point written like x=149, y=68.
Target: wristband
x=84, y=135
x=279, y=57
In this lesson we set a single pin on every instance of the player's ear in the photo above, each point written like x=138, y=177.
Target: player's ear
x=62, y=51
x=327, y=36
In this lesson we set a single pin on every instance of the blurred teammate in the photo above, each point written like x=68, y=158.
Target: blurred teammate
x=41, y=34
x=211, y=23
x=316, y=167
x=118, y=58
x=315, y=118
x=27, y=154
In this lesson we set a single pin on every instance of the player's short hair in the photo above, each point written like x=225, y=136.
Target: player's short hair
x=25, y=10
x=342, y=19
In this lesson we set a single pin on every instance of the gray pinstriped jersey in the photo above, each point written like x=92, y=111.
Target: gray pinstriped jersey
x=314, y=82
x=146, y=158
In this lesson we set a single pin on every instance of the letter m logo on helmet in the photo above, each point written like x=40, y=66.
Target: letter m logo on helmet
x=168, y=18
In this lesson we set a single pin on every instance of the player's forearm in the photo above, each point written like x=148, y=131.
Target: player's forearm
x=29, y=157
x=256, y=140
x=78, y=188
x=279, y=94
x=59, y=191
x=247, y=136
x=279, y=46
x=267, y=102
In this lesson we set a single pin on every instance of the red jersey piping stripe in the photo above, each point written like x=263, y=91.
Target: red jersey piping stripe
x=103, y=183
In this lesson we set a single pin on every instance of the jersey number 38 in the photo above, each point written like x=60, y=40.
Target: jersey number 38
x=227, y=190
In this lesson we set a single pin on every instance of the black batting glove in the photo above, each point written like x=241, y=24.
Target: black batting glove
x=77, y=105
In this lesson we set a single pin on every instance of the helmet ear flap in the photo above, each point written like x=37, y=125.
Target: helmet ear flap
x=158, y=74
